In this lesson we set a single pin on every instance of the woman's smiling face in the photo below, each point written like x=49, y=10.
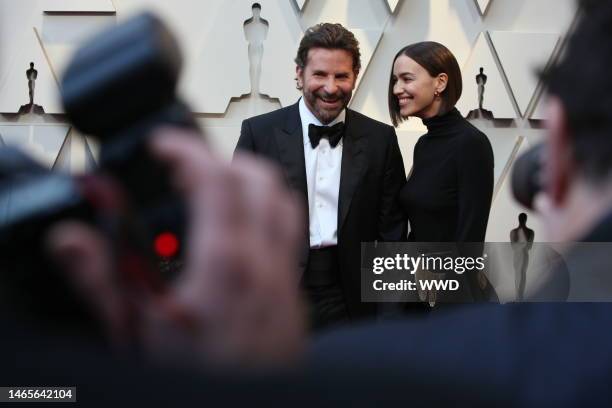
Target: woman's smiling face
x=416, y=91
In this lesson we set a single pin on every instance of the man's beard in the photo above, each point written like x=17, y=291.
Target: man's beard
x=326, y=115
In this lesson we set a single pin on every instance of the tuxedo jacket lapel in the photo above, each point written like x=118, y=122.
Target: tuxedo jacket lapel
x=290, y=142
x=353, y=165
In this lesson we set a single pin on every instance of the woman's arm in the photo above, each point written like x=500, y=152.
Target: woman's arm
x=475, y=187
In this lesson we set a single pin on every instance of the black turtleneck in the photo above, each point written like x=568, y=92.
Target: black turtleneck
x=448, y=193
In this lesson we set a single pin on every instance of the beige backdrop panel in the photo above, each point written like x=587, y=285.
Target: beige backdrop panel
x=218, y=84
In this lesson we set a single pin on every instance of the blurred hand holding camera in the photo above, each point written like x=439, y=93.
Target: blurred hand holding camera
x=237, y=300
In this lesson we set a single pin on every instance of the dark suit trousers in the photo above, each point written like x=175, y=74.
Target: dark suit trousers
x=321, y=281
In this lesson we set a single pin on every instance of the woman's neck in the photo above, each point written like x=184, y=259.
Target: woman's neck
x=430, y=111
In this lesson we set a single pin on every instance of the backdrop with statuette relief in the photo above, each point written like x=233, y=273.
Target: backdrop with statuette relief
x=239, y=63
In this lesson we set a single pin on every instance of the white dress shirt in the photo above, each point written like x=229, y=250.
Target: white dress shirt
x=323, y=179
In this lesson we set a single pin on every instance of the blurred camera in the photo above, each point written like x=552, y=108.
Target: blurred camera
x=527, y=178
x=119, y=87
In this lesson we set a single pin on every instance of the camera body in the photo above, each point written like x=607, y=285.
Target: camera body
x=32, y=200
x=527, y=178
x=119, y=87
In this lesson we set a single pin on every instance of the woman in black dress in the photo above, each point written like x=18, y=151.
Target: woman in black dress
x=447, y=196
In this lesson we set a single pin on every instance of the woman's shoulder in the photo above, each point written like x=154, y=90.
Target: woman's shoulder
x=472, y=144
x=471, y=137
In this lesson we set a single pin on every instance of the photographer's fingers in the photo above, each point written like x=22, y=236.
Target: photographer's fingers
x=273, y=213
x=241, y=276
x=229, y=201
x=187, y=156
x=273, y=312
x=213, y=195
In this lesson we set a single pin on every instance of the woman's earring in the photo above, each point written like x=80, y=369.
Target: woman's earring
x=436, y=94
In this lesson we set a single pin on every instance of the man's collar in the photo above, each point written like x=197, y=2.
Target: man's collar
x=307, y=118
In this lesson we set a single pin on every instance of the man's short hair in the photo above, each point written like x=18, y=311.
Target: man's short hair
x=583, y=83
x=332, y=37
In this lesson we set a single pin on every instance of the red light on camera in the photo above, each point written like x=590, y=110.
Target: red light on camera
x=166, y=245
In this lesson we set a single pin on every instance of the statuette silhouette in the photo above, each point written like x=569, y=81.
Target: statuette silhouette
x=31, y=74
x=255, y=32
x=480, y=113
x=521, y=238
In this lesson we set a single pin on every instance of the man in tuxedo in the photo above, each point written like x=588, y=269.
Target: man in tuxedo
x=346, y=168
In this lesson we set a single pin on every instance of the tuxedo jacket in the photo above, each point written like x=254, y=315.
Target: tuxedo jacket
x=372, y=173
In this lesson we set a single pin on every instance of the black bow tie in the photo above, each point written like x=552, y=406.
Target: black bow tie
x=333, y=133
